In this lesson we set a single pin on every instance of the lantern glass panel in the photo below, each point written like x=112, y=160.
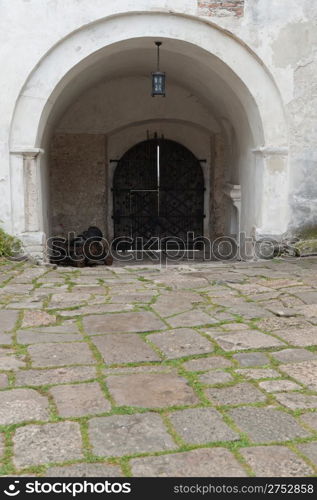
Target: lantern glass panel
x=158, y=83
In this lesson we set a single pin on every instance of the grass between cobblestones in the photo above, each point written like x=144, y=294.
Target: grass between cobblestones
x=71, y=281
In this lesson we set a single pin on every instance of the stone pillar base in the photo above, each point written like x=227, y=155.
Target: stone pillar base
x=34, y=245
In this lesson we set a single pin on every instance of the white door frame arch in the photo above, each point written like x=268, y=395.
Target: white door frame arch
x=75, y=53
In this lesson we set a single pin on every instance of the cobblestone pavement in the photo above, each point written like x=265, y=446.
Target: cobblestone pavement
x=192, y=370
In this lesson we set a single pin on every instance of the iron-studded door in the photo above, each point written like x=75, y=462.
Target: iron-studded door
x=158, y=192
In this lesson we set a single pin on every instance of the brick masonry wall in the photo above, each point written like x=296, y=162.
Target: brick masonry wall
x=221, y=8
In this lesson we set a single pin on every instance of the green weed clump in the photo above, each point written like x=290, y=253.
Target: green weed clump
x=9, y=245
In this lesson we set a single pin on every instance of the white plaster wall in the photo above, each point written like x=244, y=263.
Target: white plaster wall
x=281, y=32
x=112, y=104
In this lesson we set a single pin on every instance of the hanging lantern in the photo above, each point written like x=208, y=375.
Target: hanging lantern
x=158, y=77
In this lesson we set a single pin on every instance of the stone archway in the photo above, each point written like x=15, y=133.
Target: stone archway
x=225, y=76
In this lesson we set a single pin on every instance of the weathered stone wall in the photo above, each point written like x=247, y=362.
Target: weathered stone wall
x=303, y=135
x=222, y=8
x=77, y=182
x=302, y=112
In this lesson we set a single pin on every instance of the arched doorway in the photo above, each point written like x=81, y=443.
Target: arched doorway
x=158, y=194
x=246, y=173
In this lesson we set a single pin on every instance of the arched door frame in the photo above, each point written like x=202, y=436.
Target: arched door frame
x=191, y=135
x=158, y=192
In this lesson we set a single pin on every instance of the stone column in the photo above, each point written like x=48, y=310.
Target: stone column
x=272, y=187
x=233, y=191
x=26, y=196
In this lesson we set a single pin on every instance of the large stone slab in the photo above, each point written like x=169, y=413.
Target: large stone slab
x=5, y=338
x=80, y=400
x=174, y=303
x=52, y=279
x=124, y=348
x=215, y=377
x=181, y=342
x=309, y=311
x=251, y=359
x=257, y=374
x=303, y=337
x=32, y=303
x=97, y=309
x=178, y=282
x=45, y=355
x=209, y=462
x=250, y=339
x=278, y=323
x=48, y=443
x=310, y=419
x=126, y=290
x=8, y=320
x=250, y=311
x=90, y=288
x=29, y=337
x=191, y=318
x=309, y=297
x=275, y=461
x=296, y=401
x=10, y=362
x=84, y=470
x=17, y=289
x=55, y=375
x=279, y=385
x=132, y=298
x=282, y=283
x=265, y=425
x=310, y=451
x=151, y=390
x=120, y=435
x=29, y=274
x=123, y=322
x=204, y=364
x=201, y=425
x=235, y=327
x=3, y=380
x=37, y=318
x=305, y=372
x=68, y=299
x=250, y=288
x=293, y=355
x=67, y=327
x=235, y=395
x=20, y=405
x=123, y=370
